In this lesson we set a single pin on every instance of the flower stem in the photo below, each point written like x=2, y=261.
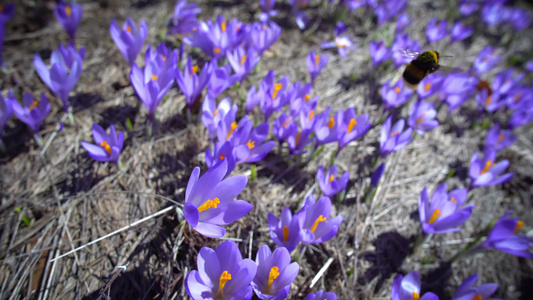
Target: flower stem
x=473, y=246
x=39, y=139
x=420, y=240
x=71, y=117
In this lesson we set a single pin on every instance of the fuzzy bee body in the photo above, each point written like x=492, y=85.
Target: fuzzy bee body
x=423, y=64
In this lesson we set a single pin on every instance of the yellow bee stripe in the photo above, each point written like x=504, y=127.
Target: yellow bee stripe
x=435, y=56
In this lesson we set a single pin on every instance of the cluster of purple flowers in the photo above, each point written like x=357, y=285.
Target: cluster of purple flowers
x=223, y=274
x=312, y=224
x=496, y=12
x=409, y=287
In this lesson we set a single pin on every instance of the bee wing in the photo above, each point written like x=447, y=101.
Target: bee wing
x=410, y=54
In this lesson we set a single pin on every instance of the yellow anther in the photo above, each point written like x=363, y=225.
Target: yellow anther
x=277, y=88
x=128, y=29
x=216, y=50
x=215, y=113
x=488, y=164
x=500, y=138
x=436, y=214
x=416, y=296
x=488, y=101
x=331, y=178
x=317, y=59
x=518, y=226
x=286, y=123
x=427, y=87
x=397, y=90
x=311, y=114
x=164, y=58
x=394, y=133
x=419, y=120
x=307, y=97
x=209, y=204
x=106, y=147
x=351, y=125
x=477, y=297
x=285, y=233
x=243, y=59
x=331, y=122
x=221, y=156
x=297, y=138
x=194, y=69
x=233, y=126
x=224, y=277
x=154, y=77
x=317, y=221
x=34, y=105
x=68, y=11
x=223, y=26
x=453, y=200
x=250, y=144
x=274, y=273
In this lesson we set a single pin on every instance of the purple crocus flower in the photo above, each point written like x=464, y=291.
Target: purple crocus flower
x=33, y=112
x=284, y=126
x=6, y=12
x=353, y=4
x=460, y=32
x=66, y=67
x=445, y=210
x=212, y=114
x=482, y=292
x=457, y=88
x=529, y=65
x=343, y=44
x=499, y=139
x=165, y=58
x=351, y=127
x=151, y=83
x=220, y=79
x=275, y=273
x=271, y=94
x=468, y=7
x=402, y=22
x=243, y=61
x=315, y=63
x=262, y=36
x=504, y=81
x=129, y=40
x=216, y=38
x=321, y=295
x=223, y=150
x=485, y=171
x=379, y=52
x=435, y=30
x=422, y=117
x=191, y=84
x=395, y=95
x=376, y=176
x=403, y=41
x=503, y=237
x=6, y=109
x=318, y=227
x=394, y=139
x=301, y=18
x=494, y=13
x=519, y=18
x=329, y=183
x=430, y=85
x=287, y=231
x=486, y=60
x=250, y=145
x=267, y=6
x=489, y=102
x=69, y=15
x=222, y=274
x=299, y=141
x=388, y=9
x=184, y=18
x=209, y=200
x=520, y=118
x=408, y=288
x=108, y=146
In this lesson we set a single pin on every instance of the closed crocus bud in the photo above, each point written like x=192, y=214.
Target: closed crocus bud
x=69, y=15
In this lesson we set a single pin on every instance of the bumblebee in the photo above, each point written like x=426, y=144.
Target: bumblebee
x=422, y=64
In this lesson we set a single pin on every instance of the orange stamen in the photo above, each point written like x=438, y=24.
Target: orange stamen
x=351, y=125
x=436, y=214
x=221, y=156
x=233, y=126
x=285, y=233
x=416, y=296
x=453, y=200
x=250, y=144
x=477, y=297
x=317, y=59
x=488, y=164
x=331, y=178
x=317, y=221
x=311, y=114
x=427, y=87
x=277, y=88
x=488, y=101
x=397, y=90
x=194, y=69
x=274, y=273
x=306, y=97
x=34, y=105
x=243, y=59
x=331, y=123
x=223, y=26
x=128, y=29
x=106, y=147
x=518, y=226
x=224, y=277
x=216, y=50
x=215, y=113
x=297, y=138
x=154, y=77
x=500, y=138
x=68, y=10
x=419, y=120
x=209, y=204
x=286, y=123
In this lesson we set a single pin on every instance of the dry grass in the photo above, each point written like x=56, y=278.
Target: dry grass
x=72, y=200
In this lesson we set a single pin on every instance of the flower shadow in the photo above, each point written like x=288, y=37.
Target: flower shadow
x=391, y=251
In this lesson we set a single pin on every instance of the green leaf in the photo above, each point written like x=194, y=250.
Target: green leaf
x=129, y=124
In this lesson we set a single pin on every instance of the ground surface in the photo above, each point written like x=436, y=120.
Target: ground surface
x=72, y=200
